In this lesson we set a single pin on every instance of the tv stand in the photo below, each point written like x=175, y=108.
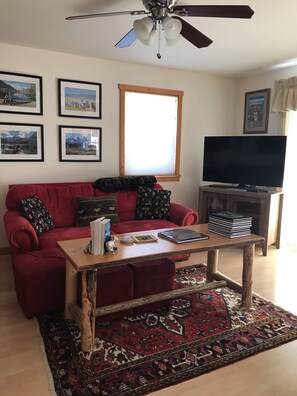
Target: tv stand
x=264, y=207
x=220, y=185
x=240, y=187
x=248, y=189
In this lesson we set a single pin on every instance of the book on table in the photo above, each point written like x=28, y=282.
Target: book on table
x=230, y=224
x=182, y=235
x=229, y=233
x=100, y=230
x=105, y=227
x=230, y=217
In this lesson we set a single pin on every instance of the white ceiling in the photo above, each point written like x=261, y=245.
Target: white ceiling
x=239, y=46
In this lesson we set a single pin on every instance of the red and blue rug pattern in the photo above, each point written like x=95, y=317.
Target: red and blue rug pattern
x=139, y=354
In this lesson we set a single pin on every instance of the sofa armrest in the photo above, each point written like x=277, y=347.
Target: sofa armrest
x=182, y=215
x=20, y=233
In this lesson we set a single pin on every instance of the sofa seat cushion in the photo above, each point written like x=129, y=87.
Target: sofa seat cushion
x=35, y=273
x=151, y=277
x=140, y=225
x=50, y=238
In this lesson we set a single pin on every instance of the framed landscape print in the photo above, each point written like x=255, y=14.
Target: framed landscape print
x=80, y=143
x=79, y=99
x=21, y=142
x=20, y=93
x=256, y=111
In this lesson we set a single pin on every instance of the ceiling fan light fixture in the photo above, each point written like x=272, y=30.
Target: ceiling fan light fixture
x=143, y=27
x=171, y=42
x=172, y=28
x=151, y=38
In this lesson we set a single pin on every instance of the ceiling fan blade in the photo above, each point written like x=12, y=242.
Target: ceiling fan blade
x=216, y=11
x=106, y=14
x=193, y=35
x=127, y=40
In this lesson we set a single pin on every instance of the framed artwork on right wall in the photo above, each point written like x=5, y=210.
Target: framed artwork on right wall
x=256, y=111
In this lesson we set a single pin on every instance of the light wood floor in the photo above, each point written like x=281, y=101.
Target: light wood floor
x=273, y=373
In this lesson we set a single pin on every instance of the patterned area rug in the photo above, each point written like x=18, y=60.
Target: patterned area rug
x=140, y=354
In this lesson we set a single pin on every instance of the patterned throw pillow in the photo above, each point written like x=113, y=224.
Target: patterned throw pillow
x=124, y=183
x=91, y=208
x=38, y=215
x=153, y=204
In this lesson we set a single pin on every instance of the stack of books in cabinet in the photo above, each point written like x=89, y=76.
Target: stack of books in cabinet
x=232, y=225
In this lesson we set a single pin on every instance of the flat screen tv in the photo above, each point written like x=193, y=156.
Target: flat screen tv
x=248, y=161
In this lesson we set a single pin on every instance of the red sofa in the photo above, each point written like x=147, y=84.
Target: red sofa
x=39, y=266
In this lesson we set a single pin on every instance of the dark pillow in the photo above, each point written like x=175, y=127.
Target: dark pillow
x=91, y=208
x=38, y=215
x=124, y=183
x=153, y=204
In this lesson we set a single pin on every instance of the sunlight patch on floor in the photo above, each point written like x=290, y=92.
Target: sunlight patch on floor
x=285, y=279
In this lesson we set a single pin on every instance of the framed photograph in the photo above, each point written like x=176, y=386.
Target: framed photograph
x=20, y=93
x=79, y=99
x=80, y=143
x=21, y=142
x=144, y=238
x=256, y=111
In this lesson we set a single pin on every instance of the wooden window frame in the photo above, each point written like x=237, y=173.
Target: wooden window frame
x=156, y=91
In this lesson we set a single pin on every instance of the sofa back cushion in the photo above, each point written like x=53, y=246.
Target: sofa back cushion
x=59, y=198
x=126, y=202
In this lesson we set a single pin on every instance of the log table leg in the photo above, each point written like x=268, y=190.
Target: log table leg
x=89, y=292
x=248, y=275
x=70, y=289
x=212, y=264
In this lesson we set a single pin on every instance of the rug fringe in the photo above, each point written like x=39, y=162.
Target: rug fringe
x=45, y=361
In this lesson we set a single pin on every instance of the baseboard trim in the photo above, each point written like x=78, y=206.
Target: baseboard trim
x=4, y=251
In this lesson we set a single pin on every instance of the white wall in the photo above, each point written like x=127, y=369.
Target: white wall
x=256, y=82
x=208, y=108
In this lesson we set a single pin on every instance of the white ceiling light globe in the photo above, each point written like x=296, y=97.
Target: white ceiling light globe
x=172, y=28
x=143, y=27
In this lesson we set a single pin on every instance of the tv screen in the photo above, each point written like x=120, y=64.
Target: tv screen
x=245, y=160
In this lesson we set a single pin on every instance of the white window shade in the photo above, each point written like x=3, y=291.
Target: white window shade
x=151, y=130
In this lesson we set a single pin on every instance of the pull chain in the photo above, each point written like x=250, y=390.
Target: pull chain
x=159, y=39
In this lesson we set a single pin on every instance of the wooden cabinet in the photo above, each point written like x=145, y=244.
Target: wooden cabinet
x=264, y=207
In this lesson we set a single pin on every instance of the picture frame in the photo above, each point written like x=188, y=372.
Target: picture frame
x=21, y=142
x=80, y=144
x=144, y=238
x=256, y=111
x=79, y=99
x=20, y=93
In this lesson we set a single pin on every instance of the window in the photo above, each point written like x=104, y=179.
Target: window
x=150, y=132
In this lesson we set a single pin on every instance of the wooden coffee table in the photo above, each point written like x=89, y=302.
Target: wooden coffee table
x=87, y=264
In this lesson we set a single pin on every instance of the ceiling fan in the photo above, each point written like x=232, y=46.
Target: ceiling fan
x=158, y=18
